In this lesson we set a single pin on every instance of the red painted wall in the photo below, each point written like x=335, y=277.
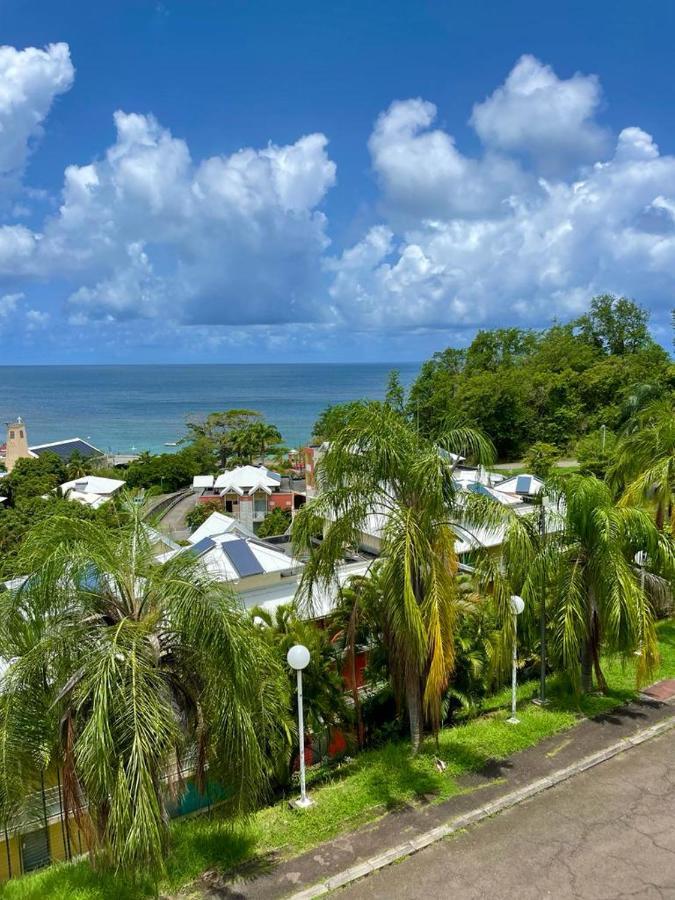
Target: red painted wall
x=280, y=501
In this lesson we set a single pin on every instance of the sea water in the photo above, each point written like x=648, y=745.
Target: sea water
x=127, y=409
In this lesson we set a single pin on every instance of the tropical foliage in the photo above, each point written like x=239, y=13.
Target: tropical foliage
x=121, y=671
x=201, y=512
x=380, y=473
x=583, y=568
x=645, y=460
x=236, y=436
x=556, y=385
x=275, y=522
x=324, y=699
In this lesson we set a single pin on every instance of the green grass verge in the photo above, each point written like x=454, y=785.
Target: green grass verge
x=354, y=793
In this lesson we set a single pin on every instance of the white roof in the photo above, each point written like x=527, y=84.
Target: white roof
x=203, y=481
x=218, y=523
x=91, y=490
x=93, y=484
x=521, y=484
x=324, y=598
x=477, y=487
x=219, y=564
x=247, y=480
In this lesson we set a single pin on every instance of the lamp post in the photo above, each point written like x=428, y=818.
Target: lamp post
x=517, y=606
x=541, y=699
x=298, y=659
x=641, y=560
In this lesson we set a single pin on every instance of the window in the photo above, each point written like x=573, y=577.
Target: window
x=260, y=503
x=11, y=435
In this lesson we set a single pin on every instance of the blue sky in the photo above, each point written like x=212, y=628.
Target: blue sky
x=212, y=181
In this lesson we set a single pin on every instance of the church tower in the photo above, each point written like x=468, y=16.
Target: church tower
x=17, y=443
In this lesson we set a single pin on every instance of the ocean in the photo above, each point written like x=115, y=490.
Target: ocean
x=124, y=409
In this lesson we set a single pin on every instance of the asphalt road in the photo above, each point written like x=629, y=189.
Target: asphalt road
x=608, y=833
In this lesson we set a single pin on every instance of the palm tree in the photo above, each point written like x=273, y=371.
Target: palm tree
x=379, y=471
x=586, y=574
x=77, y=466
x=267, y=436
x=121, y=670
x=359, y=621
x=323, y=690
x=645, y=461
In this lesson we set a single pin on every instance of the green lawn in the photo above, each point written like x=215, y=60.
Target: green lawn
x=351, y=794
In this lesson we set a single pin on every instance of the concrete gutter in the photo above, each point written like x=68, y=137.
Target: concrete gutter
x=401, y=851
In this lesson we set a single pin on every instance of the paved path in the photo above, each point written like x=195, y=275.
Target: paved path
x=519, y=464
x=273, y=878
x=174, y=520
x=608, y=833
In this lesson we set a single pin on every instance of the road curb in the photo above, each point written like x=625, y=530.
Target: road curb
x=408, y=848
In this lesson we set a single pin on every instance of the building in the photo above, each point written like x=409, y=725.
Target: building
x=524, y=486
x=91, y=490
x=248, y=493
x=16, y=446
x=65, y=449
x=230, y=552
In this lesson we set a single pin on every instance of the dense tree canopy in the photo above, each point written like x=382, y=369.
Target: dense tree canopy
x=556, y=385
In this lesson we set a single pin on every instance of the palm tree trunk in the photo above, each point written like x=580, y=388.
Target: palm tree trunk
x=595, y=648
x=587, y=667
x=414, y=704
x=587, y=648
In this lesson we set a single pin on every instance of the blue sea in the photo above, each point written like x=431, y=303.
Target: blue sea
x=126, y=409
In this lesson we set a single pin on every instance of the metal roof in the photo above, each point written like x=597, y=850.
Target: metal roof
x=65, y=449
x=242, y=558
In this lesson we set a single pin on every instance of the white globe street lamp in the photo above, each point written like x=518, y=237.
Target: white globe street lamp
x=298, y=659
x=517, y=606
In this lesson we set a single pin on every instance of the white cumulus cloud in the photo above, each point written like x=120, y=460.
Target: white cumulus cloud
x=543, y=117
x=489, y=240
x=146, y=231
x=29, y=81
x=234, y=249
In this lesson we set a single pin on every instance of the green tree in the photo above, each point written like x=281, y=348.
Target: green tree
x=201, y=512
x=220, y=431
x=595, y=601
x=595, y=452
x=333, y=418
x=541, y=458
x=275, y=522
x=520, y=387
x=77, y=466
x=323, y=691
x=395, y=396
x=645, y=461
x=119, y=667
x=34, y=478
x=378, y=466
x=616, y=325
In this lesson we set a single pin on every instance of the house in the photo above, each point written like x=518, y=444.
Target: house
x=232, y=553
x=202, y=483
x=248, y=493
x=91, y=490
x=216, y=524
x=525, y=486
